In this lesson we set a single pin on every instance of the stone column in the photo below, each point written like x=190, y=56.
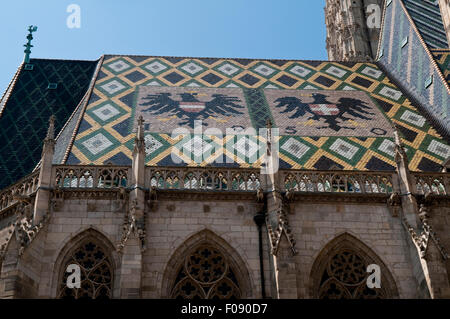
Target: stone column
x=433, y=258
x=133, y=248
x=429, y=267
x=406, y=184
x=42, y=200
x=283, y=264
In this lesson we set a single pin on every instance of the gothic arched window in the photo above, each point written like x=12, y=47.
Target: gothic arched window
x=345, y=277
x=340, y=272
x=96, y=272
x=206, y=274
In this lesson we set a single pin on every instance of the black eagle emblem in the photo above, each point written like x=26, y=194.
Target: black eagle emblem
x=320, y=108
x=190, y=108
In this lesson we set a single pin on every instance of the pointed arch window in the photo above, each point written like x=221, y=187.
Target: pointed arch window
x=345, y=277
x=340, y=272
x=96, y=272
x=206, y=273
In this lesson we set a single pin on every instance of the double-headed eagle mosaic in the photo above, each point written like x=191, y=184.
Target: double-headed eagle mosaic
x=190, y=108
x=193, y=106
x=333, y=114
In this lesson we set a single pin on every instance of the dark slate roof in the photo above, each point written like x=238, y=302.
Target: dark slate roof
x=427, y=18
x=28, y=105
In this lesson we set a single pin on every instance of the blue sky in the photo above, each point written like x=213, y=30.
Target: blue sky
x=285, y=29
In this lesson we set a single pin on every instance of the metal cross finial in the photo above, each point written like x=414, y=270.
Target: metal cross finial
x=28, y=46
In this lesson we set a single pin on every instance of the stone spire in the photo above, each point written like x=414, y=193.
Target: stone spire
x=138, y=164
x=400, y=153
x=139, y=140
x=51, y=129
x=405, y=180
x=41, y=204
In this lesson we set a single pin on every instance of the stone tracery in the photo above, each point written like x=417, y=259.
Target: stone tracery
x=206, y=274
x=96, y=272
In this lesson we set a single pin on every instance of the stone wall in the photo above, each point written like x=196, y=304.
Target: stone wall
x=314, y=226
x=69, y=219
x=173, y=226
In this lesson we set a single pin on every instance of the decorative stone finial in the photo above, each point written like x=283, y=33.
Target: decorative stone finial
x=28, y=46
x=400, y=150
x=139, y=140
x=269, y=136
x=51, y=128
x=140, y=130
x=396, y=134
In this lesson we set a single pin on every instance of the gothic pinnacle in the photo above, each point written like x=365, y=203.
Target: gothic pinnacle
x=51, y=128
x=139, y=141
x=140, y=129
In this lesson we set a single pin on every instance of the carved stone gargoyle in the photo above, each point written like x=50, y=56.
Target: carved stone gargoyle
x=394, y=204
x=423, y=239
x=133, y=223
x=24, y=228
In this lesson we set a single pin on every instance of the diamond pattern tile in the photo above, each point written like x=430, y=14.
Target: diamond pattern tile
x=299, y=148
x=24, y=119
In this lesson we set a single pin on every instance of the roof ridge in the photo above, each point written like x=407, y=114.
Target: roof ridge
x=232, y=58
x=83, y=103
x=63, y=60
x=9, y=89
x=438, y=127
x=437, y=49
x=427, y=49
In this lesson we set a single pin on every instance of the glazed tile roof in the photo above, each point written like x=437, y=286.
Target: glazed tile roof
x=407, y=60
x=330, y=114
x=442, y=57
x=27, y=106
x=427, y=17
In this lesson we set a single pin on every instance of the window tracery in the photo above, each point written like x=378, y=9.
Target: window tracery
x=206, y=274
x=345, y=277
x=96, y=273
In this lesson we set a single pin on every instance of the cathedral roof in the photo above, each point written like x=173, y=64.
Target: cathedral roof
x=27, y=105
x=428, y=20
x=173, y=91
x=407, y=59
x=442, y=57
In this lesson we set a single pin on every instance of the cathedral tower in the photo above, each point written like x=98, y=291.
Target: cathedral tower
x=353, y=28
x=445, y=12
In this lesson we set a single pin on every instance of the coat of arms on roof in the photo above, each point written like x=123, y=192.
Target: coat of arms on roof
x=184, y=106
x=328, y=113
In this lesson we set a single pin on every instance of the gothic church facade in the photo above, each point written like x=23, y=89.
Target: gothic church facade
x=346, y=168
